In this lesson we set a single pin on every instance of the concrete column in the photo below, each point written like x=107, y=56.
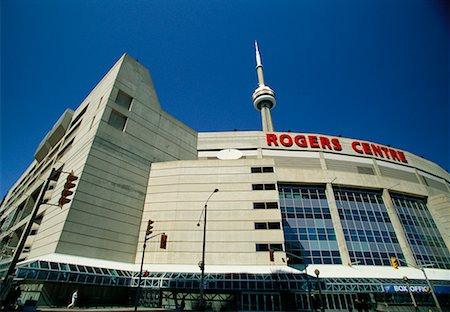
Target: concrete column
x=337, y=225
x=398, y=228
x=323, y=163
x=376, y=168
x=266, y=119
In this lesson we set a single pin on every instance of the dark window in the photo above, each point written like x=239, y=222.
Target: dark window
x=123, y=99
x=259, y=205
x=64, y=150
x=44, y=265
x=97, y=270
x=272, y=205
x=276, y=246
x=78, y=117
x=274, y=225
x=260, y=226
x=256, y=169
x=261, y=169
x=269, y=205
x=117, y=120
x=262, y=247
x=73, y=267
x=258, y=187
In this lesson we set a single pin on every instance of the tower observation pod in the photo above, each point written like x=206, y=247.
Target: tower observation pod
x=263, y=97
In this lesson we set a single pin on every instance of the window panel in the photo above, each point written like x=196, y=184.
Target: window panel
x=421, y=231
x=117, y=120
x=124, y=99
x=304, y=214
x=365, y=220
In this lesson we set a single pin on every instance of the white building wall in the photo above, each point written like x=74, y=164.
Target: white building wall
x=176, y=195
x=102, y=220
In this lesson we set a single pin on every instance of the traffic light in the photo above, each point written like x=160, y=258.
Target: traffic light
x=271, y=255
x=67, y=189
x=146, y=274
x=149, y=228
x=394, y=262
x=163, y=242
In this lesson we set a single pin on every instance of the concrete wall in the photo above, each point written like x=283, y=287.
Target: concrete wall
x=418, y=177
x=176, y=195
x=105, y=217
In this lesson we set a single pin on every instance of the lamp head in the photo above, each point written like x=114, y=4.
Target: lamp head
x=198, y=224
x=216, y=190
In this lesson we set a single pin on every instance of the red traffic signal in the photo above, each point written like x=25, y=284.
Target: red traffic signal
x=163, y=242
x=67, y=189
x=271, y=255
x=146, y=274
x=149, y=228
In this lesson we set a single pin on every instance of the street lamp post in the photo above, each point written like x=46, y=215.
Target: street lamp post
x=405, y=278
x=422, y=268
x=308, y=288
x=438, y=306
x=202, y=263
x=317, y=272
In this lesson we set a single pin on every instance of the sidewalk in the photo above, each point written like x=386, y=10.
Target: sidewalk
x=104, y=309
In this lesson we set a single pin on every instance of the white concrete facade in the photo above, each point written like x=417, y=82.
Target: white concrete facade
x=137, y=163
x=102, y=221
x=177, y=191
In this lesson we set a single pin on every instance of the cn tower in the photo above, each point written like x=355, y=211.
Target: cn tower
x=263, y=96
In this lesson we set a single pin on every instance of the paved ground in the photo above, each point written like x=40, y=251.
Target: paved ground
x=101, y=309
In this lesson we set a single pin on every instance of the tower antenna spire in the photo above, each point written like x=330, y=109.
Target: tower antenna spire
x=263, y=97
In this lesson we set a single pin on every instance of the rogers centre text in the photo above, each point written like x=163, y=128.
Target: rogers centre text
x=333, y=144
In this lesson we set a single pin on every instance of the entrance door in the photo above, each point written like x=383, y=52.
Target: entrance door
x=260, y=302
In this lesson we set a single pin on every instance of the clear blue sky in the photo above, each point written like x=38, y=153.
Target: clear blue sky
x=372, y=70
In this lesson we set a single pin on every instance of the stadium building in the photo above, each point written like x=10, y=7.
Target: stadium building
x=252, y=220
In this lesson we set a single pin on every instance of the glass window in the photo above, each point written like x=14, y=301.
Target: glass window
x=258, y=187
x=276, y=246
x=123, y=99
x=274, y=225
x=44, y=264
x=259, y=205
x=261, y=169
x=421, y=231
x=256, y=169
x=117, y=120
x=262, y=247
x=355, y=207
x=306, y=219
x=272, y=205
x=260, y=225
